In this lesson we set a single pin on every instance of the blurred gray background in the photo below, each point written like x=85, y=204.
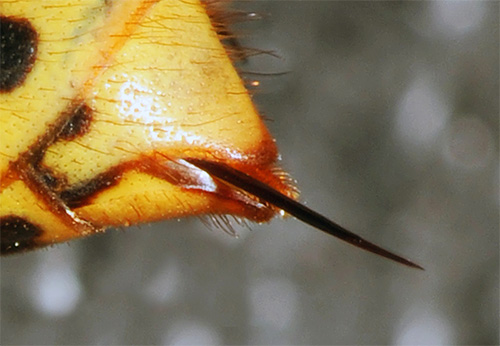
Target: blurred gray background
x=388, y=119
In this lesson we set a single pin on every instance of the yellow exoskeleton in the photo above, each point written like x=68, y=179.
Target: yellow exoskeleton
x=120, y=112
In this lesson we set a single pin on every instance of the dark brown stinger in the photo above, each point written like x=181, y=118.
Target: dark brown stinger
x=266, y=193
x=221, y=20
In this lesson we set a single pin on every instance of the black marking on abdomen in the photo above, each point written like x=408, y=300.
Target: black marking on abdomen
x=82, y=194
x=18, y=46
x=17, y=235
x=80, y=118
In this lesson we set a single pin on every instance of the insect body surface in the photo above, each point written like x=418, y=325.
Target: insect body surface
x=120, y=112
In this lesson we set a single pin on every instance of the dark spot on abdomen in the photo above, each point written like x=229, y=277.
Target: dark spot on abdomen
x=80, y=118
x=17, y=235
x=18, y=46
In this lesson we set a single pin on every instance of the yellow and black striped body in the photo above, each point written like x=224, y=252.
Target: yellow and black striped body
x=108, y=102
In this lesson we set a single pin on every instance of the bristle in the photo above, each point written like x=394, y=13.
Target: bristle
x=223, y=18
x=287, y=180
x=219, y=222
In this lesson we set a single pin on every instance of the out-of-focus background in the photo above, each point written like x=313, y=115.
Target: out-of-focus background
x=388, y=119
